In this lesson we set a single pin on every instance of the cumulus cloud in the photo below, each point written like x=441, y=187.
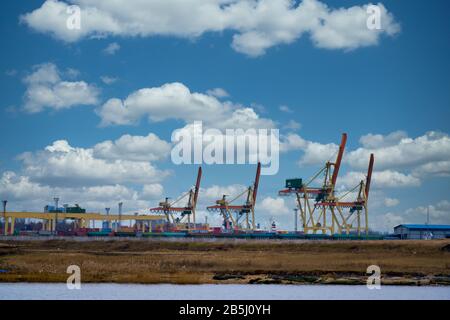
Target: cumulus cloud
x=112, y=48
x=108, y=80
x=218, y=93
x=46, y=89
x=257, y=25
x=293, y=125
x=439, y=214
x=176, y=101
x=400, y=161
x=216, y=192
x=152, y=191
x=93, y=177
x=391, y=202
x=376, y=141
x=15, y=187
x=24, y=194
x=274, y=206
x=60, y=164
x=400, y=151
x=380, y=179
x=285, y=109
x=314, y=153
x=135, y=148
x=435, y=168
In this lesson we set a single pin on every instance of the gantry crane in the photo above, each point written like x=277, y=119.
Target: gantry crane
x=355, y=208
x=239, y=217
x=177, y=215
x=314, y=218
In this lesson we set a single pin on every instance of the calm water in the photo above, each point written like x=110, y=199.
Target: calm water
x=222, y=291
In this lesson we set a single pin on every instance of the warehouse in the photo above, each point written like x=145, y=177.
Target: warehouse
x=422, y=231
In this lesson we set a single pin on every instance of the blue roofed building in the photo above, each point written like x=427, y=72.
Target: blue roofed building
x=422, y=231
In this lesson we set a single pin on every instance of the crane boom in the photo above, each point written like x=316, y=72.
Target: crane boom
x=255, y=187
x=337, y=164
x=197, y=185
x=369, y=174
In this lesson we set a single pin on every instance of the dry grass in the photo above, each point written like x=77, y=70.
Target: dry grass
x=198, y=261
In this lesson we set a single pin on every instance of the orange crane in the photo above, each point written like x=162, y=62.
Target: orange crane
x=239, y=217
x=176, y=215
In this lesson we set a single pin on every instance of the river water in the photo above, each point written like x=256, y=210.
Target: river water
x=31, y=291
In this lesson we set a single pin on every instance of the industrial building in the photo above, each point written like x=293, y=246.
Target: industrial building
x=422, y=231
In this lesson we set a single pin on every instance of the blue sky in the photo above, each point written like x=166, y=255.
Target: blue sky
x=400, y=83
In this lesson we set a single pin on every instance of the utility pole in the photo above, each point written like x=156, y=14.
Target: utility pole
x=296, y=219
x=56, y=214
x=4, y=208
x=5, y=225
x=120, y=215
x=107, y=220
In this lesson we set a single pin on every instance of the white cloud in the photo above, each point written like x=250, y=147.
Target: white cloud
x=376, y=141
x=216, y=192
x=386, y=222
x=256, y=25
x=135, y=148
x=400, y=161
x=391, y=202
x=60, y=164
x=112, y=48
x=439, y=214
x=347, y=28
x=273, y=206
x=401, y=151
x=292, y=125
x=436, y=168
x=218, y=93
x=176, y=101
x=72, y=73
x=286, y=109
x=46, y=89
x=108, y=79
x=152, y=191
x=380, y=179
x=314, y=153
x=24, y=194
x=14, y=187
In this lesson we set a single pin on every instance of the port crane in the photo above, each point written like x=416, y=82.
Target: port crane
x=318, y=205
x=177, y=215
x=239, y=217
x=355, y=208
